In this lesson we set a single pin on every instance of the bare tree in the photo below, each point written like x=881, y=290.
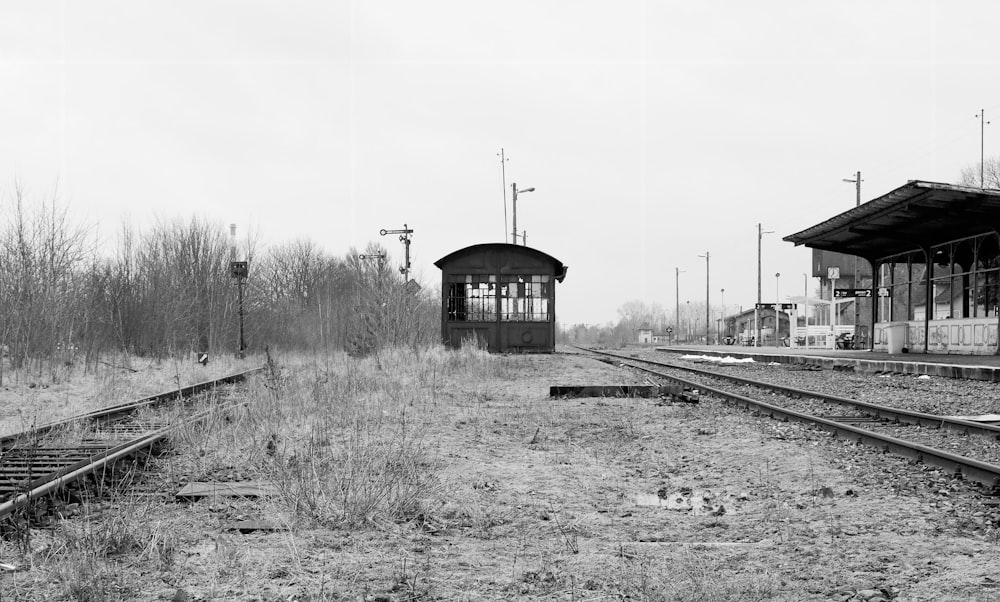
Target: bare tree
x=970, y=175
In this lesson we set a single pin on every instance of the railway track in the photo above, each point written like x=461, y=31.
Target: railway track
x=40, y=461
x=896, y=430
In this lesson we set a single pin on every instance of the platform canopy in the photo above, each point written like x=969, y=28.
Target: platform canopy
x=916, y=215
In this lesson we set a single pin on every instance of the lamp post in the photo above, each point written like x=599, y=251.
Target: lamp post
x=857, y=309
x=677, y=302
x=756, y=312
x=777, y=315
x=515, y=192
x=707, y=296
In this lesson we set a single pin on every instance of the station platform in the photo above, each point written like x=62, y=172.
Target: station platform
x=970, y=367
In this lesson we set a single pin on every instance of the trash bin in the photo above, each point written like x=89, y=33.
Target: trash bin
x=896, y=337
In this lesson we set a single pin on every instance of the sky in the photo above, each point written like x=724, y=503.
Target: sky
x=653, y=132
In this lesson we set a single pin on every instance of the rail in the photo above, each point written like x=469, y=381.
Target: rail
x=90, y=459
x=981, y=472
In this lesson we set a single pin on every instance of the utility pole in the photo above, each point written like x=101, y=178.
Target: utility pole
x=707, y=297
x=857, y=276
x=777, y=314
x=503, y=175
x=677, y=302
x=982, y=145
x=756, y=310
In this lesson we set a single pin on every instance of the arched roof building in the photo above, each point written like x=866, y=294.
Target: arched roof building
x=501, y=295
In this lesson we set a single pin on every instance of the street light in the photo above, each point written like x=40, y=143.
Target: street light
x=756, y=312
x=707, y=305
x=514, y=189
x=857, y=308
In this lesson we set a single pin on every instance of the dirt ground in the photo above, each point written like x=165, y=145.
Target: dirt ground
x=578, y=499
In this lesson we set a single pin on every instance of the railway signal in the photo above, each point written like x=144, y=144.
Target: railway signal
x=405, y=239
x=239, y=270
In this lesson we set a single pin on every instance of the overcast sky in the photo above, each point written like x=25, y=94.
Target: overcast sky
x=652, y=131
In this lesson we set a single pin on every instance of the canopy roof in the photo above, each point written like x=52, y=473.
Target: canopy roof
x=906, y=219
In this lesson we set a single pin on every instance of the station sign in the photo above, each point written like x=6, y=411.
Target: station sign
x=843, y=293
x=775, y=306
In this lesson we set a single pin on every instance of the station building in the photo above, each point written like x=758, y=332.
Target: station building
x=501, y=296
x=934, y=250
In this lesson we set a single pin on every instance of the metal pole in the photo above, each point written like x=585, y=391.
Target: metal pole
x=513, y=190
x=708, y=274
x=239, y=286
x=982, y=145
x=503, y=175
x=777, y=314
x=406, y=245
x=857, y=274
x=805, y=298
x=756, y=310
x=724, y=327
x=677, y=302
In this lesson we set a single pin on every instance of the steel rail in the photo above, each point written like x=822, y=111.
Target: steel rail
x=55, y=480
x=128, y=407
x=879, y=411
x=93, y=464
x=970, y=468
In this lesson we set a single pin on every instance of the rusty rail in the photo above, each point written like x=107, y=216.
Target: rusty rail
x=975, y=470
x=60, y=466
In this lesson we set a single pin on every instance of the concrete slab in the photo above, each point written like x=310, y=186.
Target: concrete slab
x=249, y=489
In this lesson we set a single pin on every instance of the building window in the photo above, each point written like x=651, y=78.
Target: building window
x=524, y=298
x=472, y=298
x=964, y=282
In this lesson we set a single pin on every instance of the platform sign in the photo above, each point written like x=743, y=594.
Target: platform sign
x=844, y=293
x=774, y=306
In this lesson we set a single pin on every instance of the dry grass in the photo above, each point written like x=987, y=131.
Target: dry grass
x=428, y=474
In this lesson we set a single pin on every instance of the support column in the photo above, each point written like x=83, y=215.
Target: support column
x=928, y=294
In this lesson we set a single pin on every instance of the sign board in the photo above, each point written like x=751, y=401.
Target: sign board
x=843, y=293
x=669, y=330
x=884, y=291
x=774, y=306
x=833, y=273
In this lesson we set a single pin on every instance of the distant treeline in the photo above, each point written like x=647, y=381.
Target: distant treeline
x=168, y=291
